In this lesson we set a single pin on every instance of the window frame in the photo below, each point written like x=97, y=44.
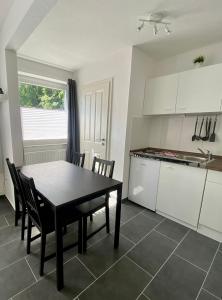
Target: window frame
x=49, y=83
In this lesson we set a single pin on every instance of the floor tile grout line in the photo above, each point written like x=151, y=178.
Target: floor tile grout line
x=23, y=290
x=31, y=270
x=11, y=264
x=211, y=294
x=218, y=247
x=17, y=239
x=181, y=257
x=153, y=218
x=6, y=221
x=75, y=256
x=125, y=237
x=146, y=297
x=148, y=273
x=160, y=268
x=166, y=236
x=40, y=279
x=125, y=254
x=89, y=271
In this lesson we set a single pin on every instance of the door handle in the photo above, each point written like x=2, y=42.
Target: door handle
x=103, y=140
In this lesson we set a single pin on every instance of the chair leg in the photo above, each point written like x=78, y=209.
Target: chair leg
x=42, y=258
x=84, y=234
x=23, y=225
x=107, y=217
x=80, y=239
x=29, y=234
x=17, y=211
x=91, y=217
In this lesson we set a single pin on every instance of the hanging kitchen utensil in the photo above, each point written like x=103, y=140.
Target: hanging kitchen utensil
x=209, y=127
x=205, y=138
x=201, y=126
x=195, y=131
x=213, y=135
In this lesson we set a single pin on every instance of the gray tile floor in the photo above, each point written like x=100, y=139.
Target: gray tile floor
x=157, y=259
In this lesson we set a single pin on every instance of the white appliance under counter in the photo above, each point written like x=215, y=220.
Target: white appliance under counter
x=143, y=183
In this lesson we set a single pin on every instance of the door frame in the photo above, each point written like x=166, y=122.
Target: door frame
x=109, y=113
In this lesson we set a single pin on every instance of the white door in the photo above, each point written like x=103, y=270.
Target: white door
x=161, y=95
x=94, y=120
x=200, y=90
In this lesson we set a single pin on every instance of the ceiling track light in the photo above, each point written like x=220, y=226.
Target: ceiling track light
x=167, y=29
x=155, y=20
x=155, y=30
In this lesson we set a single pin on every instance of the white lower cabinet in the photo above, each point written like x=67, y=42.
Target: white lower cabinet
x=180, y=192
x=211, y=211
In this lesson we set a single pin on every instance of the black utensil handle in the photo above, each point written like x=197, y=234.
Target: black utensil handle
x=215, y=122
x=196, y=126
x=209, y=126
x=201, y=127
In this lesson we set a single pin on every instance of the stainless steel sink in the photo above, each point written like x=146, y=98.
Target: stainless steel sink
x=194, y=158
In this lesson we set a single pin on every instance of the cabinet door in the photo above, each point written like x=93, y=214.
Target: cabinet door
x=180, y=191
x=160, y=95
x=200, y=90
x=212, y=206
x=144, y=175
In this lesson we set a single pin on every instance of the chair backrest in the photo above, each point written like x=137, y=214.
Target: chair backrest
x=14, y=175
x=78, y=159
x=31, y=196
x=103, y=167
x=19, y=195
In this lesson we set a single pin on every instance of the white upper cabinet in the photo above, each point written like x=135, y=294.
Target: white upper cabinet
x=200, y=90
x=161, y=95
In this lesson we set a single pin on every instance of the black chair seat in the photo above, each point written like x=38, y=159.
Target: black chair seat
x=91, y=206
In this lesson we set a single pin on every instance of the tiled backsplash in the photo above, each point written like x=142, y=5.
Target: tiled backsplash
x=175, y=132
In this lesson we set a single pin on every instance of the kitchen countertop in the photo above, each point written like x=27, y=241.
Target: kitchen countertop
x=215, y=165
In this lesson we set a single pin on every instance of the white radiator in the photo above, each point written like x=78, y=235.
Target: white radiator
x=44, y=156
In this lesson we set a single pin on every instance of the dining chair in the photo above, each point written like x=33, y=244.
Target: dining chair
x=105, y=168
x=20, y=207
x=42, y=217
x=78, y=159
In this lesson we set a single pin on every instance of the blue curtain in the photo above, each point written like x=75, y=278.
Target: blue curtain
x=73, y=142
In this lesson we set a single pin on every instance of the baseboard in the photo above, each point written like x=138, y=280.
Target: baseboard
x=176, y=220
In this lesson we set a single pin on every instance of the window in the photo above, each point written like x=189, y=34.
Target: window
x=43, y=112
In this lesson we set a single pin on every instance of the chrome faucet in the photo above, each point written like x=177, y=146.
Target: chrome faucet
x=208, y=153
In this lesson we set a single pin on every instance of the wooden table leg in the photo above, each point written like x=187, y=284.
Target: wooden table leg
x=59, y=252
x=118, y=216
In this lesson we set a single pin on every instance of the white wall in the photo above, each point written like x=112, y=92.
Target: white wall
x=175, y=132
x=118, y=68
x=42, y=70
x=184, y=61
x=137, y=124
x=22, y=19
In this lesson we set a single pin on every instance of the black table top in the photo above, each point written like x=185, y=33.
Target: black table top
x=61, y=182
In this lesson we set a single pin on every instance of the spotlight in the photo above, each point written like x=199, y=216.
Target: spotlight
x=141, y=26
x=155, y=30
x=167, y=29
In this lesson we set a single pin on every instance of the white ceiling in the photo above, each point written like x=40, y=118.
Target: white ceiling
x=4, y=9
x=77, y=32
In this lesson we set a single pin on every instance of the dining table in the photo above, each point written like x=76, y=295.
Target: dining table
x=63, y=186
